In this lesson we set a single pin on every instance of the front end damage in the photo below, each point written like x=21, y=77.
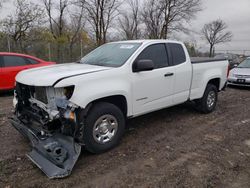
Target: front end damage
x=46, y=117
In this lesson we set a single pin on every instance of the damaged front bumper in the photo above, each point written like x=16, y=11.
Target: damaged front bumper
x=55, y=154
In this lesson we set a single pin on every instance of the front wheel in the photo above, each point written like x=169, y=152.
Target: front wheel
x=103, y=128
x=208, y=101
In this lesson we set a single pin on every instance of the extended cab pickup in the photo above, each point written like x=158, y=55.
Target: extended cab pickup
x=63, y=107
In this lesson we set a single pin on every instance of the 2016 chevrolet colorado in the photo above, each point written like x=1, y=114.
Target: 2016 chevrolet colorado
x=63, y=107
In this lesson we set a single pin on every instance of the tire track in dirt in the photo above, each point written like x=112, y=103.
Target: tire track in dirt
x=170, y=148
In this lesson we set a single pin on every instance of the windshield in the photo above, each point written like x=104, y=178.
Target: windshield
x=245, y=64
x=111, y=54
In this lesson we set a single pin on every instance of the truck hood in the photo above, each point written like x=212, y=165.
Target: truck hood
x=50, y=75
x=241, y=71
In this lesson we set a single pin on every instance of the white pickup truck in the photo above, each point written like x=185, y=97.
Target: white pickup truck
x=63, y=107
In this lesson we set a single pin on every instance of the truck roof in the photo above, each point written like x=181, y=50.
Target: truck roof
x=147, y=41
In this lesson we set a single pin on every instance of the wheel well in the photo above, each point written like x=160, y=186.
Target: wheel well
x=118, y=100
x=216, y=82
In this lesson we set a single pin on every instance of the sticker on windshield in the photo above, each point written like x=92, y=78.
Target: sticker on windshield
x=127, y=46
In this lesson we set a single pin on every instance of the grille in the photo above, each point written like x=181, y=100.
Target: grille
x=24, y=91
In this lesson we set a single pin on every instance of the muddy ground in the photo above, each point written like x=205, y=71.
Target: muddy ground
x=175, y=147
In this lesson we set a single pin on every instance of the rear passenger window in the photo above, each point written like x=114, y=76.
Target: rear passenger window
x=13, y=61
x=31, y=61
x=178, y=54
x=157, y=53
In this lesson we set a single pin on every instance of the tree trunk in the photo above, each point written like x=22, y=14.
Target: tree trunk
x=211, y=50
x=71, y=52
x=59, y=54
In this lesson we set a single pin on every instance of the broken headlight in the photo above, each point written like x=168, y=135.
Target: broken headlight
x=68, y=91
x=63, y=95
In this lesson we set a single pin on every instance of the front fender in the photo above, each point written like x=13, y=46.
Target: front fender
x=91, y=87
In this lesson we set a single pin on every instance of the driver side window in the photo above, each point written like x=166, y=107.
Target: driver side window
x=157, y=53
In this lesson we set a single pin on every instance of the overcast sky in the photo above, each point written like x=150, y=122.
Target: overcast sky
x=236, y=13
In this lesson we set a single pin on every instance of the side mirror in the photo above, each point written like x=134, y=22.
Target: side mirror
x=143, y=65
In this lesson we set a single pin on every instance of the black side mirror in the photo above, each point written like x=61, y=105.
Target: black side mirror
x=143, y=65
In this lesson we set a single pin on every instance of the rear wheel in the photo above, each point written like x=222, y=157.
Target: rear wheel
x=103, y=127
x=208, y=102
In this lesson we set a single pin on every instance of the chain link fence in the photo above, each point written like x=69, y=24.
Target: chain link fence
x=60, y=53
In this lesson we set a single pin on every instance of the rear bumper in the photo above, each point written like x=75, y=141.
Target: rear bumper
x=55, y=154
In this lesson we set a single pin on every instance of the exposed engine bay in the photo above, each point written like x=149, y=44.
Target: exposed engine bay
x=50, y=121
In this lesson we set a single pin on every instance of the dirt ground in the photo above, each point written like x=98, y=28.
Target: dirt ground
x=175, y=147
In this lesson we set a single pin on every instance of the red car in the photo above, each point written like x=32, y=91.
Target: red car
x=12, y=63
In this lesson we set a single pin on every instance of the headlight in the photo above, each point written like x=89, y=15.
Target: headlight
x=68, y=91
x=64, y=92
x=231, y=74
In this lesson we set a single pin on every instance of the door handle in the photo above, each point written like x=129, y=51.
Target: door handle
x=168, y=74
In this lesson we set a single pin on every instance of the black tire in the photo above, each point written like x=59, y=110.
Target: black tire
x=99, y=110
x=202, y=104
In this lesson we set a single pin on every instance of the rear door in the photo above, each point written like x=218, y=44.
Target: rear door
x=11, y=66
x=183, y=72
x=153, y=90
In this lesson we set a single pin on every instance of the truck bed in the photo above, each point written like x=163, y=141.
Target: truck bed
x=205, y=69
x=195, y=60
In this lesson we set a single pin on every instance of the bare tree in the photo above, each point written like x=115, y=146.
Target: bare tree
x=1, y=4
x=76, y=27
x=129, y=20
x=17, y=25
x=214, y=32
x=100, y=14
x=161, y=17
x=152, y=17
x=56, y=20
x=65, y=23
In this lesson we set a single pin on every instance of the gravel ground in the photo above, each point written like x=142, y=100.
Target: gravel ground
x=175, y=147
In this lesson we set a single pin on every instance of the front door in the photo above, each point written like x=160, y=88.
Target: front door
x=153, y=89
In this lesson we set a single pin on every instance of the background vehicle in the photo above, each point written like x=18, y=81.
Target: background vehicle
x=240, y=75
x=87, y=103
x=13, y=63
x=233, y=59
